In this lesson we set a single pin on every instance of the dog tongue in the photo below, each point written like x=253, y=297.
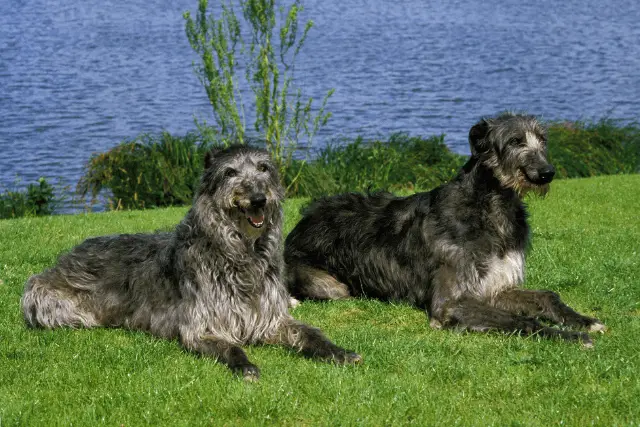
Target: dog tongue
x=257, y=219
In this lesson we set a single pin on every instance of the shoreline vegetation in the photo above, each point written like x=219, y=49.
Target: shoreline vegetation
x=153, y=171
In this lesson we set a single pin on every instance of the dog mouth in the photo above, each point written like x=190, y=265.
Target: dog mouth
x=526, y=183
x=529, y=179
x=256, y=221
x=255, y=218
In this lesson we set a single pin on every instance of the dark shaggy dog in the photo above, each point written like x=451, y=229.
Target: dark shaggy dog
x=215, y=283
x=457, y=252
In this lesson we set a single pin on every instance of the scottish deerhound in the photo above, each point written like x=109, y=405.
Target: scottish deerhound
x=215, y=283
x=457, y=252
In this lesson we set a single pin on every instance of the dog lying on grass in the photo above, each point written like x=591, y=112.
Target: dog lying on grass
x=458, y=251
x=215, y=283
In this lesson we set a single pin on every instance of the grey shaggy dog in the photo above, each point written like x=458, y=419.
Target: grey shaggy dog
x=458, y=251
x=215, y=283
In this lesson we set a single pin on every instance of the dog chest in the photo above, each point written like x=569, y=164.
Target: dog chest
x=498, y=273
x=240, y=311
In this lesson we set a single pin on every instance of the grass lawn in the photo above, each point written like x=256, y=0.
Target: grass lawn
x=586, y=246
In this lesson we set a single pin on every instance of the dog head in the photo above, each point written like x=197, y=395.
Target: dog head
x=243, y=183
x=514, y=147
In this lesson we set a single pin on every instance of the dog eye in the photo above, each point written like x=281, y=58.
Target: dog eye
x=230, y=173
x=262, y=167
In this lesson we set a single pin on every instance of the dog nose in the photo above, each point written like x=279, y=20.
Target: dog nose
x=258, y=200
x=546, y=173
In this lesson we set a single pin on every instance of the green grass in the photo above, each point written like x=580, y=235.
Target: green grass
x=586, y=246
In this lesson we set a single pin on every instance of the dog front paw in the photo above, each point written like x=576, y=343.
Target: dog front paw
x=597, y=326
x=346, y=357
x=585, y=340
x=249, y=373
x=293, y=303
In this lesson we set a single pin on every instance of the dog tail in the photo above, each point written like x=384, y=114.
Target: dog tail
x=45, y=307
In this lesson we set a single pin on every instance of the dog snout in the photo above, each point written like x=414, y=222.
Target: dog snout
x=258, y=200
x=546, y=173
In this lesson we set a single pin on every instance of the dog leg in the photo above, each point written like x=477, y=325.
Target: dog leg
x=546, y=305
x=308, y=282
x=229, y=354
x=478, y=316
x=311, y=342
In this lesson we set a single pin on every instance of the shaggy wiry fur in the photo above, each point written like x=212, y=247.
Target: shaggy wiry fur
x=457, y=252
x=215, y=283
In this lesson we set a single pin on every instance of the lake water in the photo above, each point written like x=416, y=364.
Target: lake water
x=77, y=77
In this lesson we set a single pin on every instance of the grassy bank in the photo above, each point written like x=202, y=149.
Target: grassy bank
x=586, y=238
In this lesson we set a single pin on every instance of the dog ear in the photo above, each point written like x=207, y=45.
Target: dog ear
x=209, y=156
x=478, y=137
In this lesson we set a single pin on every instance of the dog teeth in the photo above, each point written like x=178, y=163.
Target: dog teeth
x=254, y=223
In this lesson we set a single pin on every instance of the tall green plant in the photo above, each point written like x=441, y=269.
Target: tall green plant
x=266, y=44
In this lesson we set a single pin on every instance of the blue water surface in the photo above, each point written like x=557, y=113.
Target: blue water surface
x=77, y=77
